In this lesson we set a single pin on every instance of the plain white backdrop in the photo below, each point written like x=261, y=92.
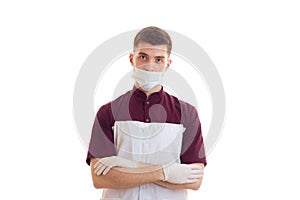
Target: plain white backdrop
x=255, y=46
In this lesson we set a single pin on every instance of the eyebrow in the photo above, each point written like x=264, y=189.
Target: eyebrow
x=142, y=53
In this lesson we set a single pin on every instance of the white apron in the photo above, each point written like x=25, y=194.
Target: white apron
x=153, y=143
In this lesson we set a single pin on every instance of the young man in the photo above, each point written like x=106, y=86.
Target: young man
x=147, y=144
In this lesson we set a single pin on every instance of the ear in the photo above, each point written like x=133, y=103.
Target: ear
x=169, y=63
x=131, y=59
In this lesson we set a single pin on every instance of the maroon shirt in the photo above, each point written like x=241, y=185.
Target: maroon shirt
x=159, y=107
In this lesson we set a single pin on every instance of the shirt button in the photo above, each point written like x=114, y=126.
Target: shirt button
x=147, y=120
x=147, y=102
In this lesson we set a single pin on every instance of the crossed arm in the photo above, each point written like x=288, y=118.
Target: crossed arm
x=121, y=178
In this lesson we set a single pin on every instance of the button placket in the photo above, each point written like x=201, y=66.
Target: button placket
x=147, y=106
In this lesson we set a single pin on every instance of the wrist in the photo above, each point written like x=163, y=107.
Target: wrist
x=161, y=175
x=157, y=171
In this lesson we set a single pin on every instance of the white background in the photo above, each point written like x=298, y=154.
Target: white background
x=255, y=46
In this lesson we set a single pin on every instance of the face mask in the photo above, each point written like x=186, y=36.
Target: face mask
x=146, y=79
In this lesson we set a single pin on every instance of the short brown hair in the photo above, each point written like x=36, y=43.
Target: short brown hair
x=154, y=36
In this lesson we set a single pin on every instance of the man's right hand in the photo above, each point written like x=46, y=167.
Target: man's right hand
x=182, y=173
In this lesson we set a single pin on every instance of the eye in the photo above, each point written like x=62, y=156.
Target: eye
x=159, y=60
x=143, y=57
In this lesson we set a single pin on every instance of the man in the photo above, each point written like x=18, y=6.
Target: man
x=147, y=144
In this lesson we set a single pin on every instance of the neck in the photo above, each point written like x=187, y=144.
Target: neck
x=149, y=92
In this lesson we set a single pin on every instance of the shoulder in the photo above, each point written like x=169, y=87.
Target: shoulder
x=188, y=112
x=107, y=109
x=184, y=106
x=170, y=99
x=187, y=107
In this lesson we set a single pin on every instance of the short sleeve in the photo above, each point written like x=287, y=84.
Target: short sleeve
x=101, y=142
x=193, y=150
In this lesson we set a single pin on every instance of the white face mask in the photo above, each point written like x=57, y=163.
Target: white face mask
x=147, y=79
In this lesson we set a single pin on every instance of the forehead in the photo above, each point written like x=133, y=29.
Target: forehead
x=152, y=50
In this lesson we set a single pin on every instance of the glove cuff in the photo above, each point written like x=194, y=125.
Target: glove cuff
x=166, y=172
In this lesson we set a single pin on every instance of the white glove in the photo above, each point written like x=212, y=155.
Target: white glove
x=182, y=173
x=105, y=164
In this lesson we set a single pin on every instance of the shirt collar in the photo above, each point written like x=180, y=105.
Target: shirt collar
x=153, y=98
